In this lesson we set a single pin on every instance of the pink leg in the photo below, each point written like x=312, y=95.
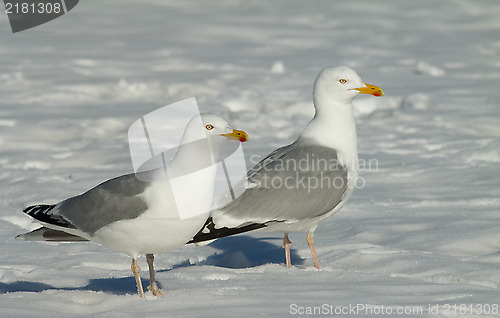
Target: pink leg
x=287, y=243
x=310, y=242
x=137, y=274
x=152, y=281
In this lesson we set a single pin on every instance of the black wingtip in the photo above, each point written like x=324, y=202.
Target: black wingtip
x=208, y=232
x=39, y=208
x=41, y=212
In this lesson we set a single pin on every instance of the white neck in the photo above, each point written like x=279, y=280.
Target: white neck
x=333, y=126
x=191, y=157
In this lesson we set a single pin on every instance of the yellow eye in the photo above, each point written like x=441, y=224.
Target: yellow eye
x=209, y=127
x=342, y=81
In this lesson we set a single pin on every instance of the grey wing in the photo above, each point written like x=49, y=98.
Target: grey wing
x=241, y=186
x=269, y=159
x=113, y=200
x=295, y=182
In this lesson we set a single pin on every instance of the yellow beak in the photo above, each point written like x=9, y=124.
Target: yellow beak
x=370, y=90
x=237, y=135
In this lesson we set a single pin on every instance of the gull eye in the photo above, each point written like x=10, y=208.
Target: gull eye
x=209, y=127
x=342, y=81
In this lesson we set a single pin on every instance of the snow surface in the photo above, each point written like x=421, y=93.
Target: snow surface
x=423, y=231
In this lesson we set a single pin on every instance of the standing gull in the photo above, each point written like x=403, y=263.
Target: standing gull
x=137, y=213
x=299, y=185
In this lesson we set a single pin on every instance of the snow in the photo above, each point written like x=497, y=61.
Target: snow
x=427, y=69
x=422, y=233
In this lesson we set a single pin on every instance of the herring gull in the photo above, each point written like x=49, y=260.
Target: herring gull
x=299, y=185
x=137, y=213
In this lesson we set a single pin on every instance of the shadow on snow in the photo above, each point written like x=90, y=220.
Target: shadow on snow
x=233, y=252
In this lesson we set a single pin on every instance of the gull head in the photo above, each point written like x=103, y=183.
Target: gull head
x=341, y=84
x=214, y=125
x=207, y=138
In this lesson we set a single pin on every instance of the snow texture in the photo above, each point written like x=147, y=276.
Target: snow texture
x=423, y=232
